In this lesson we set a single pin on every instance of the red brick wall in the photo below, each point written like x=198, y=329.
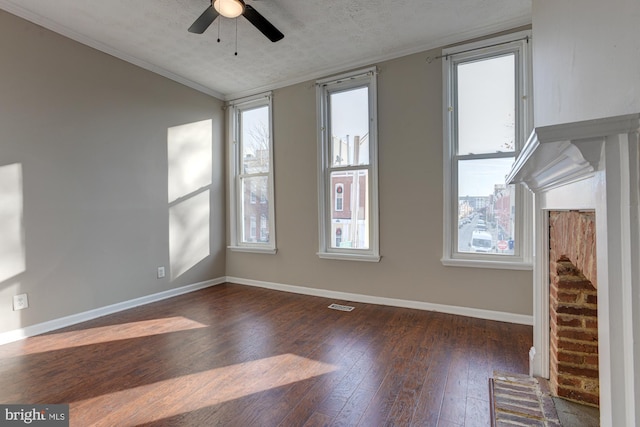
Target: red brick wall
x=573, y=235
x=573, y=307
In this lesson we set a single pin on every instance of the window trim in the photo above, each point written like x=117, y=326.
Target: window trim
x=351, y=80
x=234, y=109
x=516, y=42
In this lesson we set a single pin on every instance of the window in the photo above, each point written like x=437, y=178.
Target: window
x=339, y=197
x=252, y=229
x=252, y=196
x=347, y=169
x=487, y=120
x=264, y=228
x=251, y=175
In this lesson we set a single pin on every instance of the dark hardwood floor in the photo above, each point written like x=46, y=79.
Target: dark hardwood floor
x=233, y=355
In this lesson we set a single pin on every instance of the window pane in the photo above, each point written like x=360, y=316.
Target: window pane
x=486, y=105
x=350, y=225
x=264, y=227
x=255, y=140
x=254, y=189
x=486, y=207
x=339, y=197
x=349, y=125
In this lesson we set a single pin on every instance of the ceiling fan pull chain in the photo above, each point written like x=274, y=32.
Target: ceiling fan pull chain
x=236, y=54
x=219, y=24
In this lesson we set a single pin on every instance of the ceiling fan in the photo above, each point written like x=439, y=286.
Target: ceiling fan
x=233, y=9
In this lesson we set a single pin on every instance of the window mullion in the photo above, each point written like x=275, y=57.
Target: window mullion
x=349, y=169
x=499, y=155
x=251, y=175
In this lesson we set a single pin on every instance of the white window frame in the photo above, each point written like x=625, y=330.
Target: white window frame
x=324, y=87
x=234, y=137
x=518, y=43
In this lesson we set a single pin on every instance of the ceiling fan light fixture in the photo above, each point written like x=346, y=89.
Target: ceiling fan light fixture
x=229, y=8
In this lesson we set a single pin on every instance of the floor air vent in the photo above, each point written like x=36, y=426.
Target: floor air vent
x=341, y=307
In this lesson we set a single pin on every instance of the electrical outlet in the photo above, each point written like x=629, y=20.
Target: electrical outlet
x=20, y=302
x=160, y=272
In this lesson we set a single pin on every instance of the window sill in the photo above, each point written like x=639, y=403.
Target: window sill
x=349, y=257
x=496, y=264
x=253, y=249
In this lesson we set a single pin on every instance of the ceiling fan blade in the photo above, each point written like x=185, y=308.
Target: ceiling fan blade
x=204, y=20
x=262, y=24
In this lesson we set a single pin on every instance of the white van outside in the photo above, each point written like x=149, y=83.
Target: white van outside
x=481, y=241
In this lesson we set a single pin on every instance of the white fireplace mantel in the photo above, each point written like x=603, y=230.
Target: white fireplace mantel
x=593, y=165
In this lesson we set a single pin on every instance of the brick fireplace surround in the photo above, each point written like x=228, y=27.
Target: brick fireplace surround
x=591, y=166
x=573, y=312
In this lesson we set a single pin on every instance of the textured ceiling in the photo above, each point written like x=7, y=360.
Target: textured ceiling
x=321, y=37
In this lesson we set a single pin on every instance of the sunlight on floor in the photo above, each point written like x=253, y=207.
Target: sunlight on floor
x=188, y=393
x=120, y=331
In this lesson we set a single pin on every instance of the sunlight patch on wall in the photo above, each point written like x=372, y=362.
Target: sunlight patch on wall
x=189, y=233
x=189, y=153
x=196, y=391
x=103, y=334
x=12, y=250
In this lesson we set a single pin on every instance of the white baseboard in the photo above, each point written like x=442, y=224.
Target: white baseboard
x=73, y=319
x=449, y=309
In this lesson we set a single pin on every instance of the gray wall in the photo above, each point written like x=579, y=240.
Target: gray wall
x=84, y=208
x=410, y=174
x=86, y=195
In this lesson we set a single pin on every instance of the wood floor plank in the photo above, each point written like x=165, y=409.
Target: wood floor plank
x=318, y=420
x=477, y=413
x=455, y=393
x=428, y=408
x=404, y=406
x=232, y=355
